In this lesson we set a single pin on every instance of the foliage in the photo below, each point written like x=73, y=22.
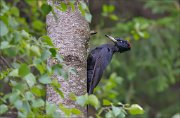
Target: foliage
x=149, y=73
x=25, y=71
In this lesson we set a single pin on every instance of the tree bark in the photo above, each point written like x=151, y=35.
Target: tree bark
x=70, y=34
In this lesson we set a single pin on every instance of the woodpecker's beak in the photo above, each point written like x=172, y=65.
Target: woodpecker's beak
x=113, y=39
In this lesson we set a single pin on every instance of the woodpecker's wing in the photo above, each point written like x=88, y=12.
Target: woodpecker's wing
x=103, y=57
x=92, y=57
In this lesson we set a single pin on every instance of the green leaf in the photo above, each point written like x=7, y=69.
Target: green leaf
x=108, y=8
x=26, y=107
x=55, y=83
x=4, y=8
x=35, y=50
x=106, y=102
x=18, y=104
x=14, y=73
x=135, y=109
x=58, y=91
x=46, y=8
x=45, y=79
x=50, y=108
x=63, y=6
x=3, y=29
x=72, y=5
x=82, y=100
x=14, y=97
x=46, y=39
x=81, y=10
x=66, y=111
x=29, y=96
x=116, y=111
x=92, y=100
x=53, y=51
x=105, y=8
x=45, y=55
x=3, y=108
x=88, y=17
x=57, y=69
x=37, y=103
x=59, y=58
x=64, y=74
x=30, y=79
x=24, y=34
x=14, y=11
x=20, y=86
x=37, y=25
x=4, y=45
x=113, y=17
x=109, y=115
x=24, y=70
x=111, y=8
x=83, y=4
x=37, y=91
x=75, y=111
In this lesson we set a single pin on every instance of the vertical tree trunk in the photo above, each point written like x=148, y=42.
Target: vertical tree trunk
x=70, y=34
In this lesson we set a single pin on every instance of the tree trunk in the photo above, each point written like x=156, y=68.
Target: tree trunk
x=70, y=34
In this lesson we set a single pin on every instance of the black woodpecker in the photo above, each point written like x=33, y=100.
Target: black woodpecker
x=100, y=57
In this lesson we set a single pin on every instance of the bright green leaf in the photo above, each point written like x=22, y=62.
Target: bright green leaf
x=24, y=70
x=65, y=110
x=58, y=91
x=37, y=25
x=72, y=5
x=46, y=39
x=75, y=111
x=135, y=109
x=113, y=17
x=35, y=50
x=106, y=102
x=14, y=11
x=93, y=100
x=63, y=6
x=37, y=91
x=81, y=10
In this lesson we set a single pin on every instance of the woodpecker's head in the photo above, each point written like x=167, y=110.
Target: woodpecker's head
x=121, y=44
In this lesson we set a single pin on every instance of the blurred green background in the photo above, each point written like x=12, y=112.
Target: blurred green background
x=149, y=74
